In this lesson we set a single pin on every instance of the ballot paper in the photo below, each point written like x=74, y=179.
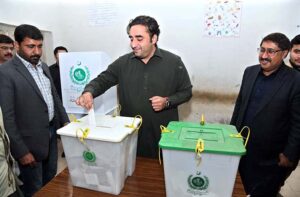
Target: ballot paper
x=92, y=119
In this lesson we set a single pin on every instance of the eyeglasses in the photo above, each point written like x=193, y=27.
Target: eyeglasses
x=7, y=48
x=270, y=52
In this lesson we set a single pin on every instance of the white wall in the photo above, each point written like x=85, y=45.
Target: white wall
x=213, y=63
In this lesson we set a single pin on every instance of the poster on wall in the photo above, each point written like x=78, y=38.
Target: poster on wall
x=76, y=70
x=102, y=13
x=222, y=18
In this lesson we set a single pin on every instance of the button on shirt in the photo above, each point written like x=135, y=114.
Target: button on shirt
x=43, y=83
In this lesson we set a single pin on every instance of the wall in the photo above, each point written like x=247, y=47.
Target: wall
x=214, y=64
x=8, y=30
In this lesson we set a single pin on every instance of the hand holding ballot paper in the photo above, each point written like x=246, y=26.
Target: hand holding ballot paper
x=86, y=100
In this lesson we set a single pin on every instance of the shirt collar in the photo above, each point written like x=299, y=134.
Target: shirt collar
x=28, y=64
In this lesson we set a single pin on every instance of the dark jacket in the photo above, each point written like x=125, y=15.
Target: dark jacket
x=25, y=112
x=276, y=124
x=55, y=74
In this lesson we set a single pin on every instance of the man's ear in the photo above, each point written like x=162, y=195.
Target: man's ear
x=154, y=39
x=285, y=53
x=16, y=45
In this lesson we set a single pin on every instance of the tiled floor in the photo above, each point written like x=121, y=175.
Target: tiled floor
x=290, y=189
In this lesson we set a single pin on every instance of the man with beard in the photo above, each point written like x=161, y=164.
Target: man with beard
x=152, y=82
x=294, y=60
x=269, y=104
x=31, y=110
x=6, y=48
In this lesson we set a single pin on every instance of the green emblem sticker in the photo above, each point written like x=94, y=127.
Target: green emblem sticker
x=89, y=156
x=197, y=184
x=79, y=74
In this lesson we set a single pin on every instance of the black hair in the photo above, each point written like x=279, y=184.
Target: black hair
x=6, y=39
x=147, y=21
x=295, y=40
x=59, y=48
x=29, y=31
x=280, y=39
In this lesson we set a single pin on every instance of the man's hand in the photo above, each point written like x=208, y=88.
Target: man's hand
x=284, y=161
x=158, y=102
x=85, y=100
x=28, y=159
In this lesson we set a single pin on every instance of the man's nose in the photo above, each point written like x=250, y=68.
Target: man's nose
x=264, y=54
x=133, y=44
x=37, y=50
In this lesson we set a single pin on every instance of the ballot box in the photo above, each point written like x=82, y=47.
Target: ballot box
x=100, y=157
x=200, y=160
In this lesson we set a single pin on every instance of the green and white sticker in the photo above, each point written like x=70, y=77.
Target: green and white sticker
x=197, y=184
x=89, y=156
x=79, y=74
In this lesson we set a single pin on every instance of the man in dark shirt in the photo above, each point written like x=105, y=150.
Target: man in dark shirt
x=152, y=83
x=294, y=60
x=54, y=69
x=269, y=104
x=55, y=73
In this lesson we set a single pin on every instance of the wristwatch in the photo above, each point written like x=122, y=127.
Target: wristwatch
x=167, y=104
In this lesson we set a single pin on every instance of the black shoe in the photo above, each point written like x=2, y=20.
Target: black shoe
x=63, y=155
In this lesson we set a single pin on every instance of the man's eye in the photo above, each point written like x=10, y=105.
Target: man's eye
x=271, y=51
x=297, y=51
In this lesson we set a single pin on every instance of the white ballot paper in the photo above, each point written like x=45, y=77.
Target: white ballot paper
x=92, y=119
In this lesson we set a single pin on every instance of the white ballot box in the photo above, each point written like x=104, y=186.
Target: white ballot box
x=100, y=157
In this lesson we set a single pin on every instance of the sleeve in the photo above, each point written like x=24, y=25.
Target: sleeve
x=237, y=105
x=7, y=96
x=104, y=80
x=60, y=109
x=183, y=86
x=292, y=149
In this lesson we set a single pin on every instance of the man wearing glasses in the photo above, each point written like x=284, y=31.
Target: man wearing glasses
x=269, y=104
x=6, y=48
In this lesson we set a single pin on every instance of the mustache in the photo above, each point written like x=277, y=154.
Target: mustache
x=265, y=59
x=8, y=55
x=35, y=57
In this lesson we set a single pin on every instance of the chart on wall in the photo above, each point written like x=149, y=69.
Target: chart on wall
x=76, y=70
x=222, y=18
